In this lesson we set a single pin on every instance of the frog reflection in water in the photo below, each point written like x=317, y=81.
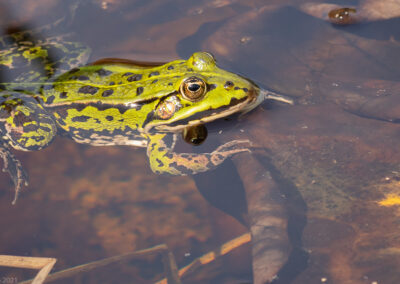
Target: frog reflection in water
x=124, y=104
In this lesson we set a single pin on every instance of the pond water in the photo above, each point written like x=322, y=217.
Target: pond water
x=319, y=193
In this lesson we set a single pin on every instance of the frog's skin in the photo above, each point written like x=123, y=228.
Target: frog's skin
x=122, y=104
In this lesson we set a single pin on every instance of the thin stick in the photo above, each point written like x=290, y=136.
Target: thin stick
x=270, y=95
x=211, y=256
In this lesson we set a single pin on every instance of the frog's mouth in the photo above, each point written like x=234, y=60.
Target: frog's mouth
x=235, y=106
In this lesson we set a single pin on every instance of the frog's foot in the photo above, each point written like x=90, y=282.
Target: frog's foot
x=228, y=149
x=164, y=160
x=13, y=166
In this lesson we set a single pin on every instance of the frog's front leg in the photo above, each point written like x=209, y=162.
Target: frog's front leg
x=24, y=125
x=164, y=160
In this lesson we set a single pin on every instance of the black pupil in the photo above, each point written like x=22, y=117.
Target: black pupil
x=194, y=87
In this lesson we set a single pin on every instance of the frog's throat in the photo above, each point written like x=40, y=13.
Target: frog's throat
x=241, y=105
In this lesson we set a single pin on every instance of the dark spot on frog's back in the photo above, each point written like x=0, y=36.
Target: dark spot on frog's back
x=107, y=93
x=103, y=72
x=139, y=91
x=109, y=117
x=88, y=90
x=136, y=77
x=102, y=107
x=63, y=95
x=50, y=100
x=82, y=118
x=127, y=74
x=171, y=67
x=83, y=78
x=155, y=73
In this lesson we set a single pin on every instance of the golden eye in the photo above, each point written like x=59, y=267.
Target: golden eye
x=193, y=89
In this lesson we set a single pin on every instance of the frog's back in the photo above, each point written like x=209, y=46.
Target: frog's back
x=114, y=83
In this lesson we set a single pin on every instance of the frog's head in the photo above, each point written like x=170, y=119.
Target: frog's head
x=203, y=93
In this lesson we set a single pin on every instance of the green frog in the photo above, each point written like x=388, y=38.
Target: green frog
x=116, y=103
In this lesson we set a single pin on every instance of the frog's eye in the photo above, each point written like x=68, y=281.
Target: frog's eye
x=193, y=89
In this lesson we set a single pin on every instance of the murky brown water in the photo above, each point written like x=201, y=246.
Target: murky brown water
x=333, y=157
